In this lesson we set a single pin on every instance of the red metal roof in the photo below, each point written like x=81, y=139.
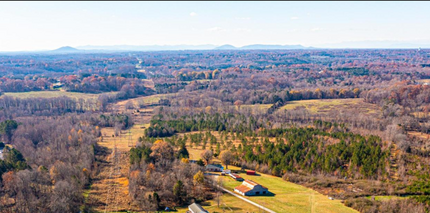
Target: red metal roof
x=242, y=188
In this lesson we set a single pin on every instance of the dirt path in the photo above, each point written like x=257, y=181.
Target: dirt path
x=109, y=190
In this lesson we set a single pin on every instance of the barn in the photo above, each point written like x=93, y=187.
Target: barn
x=249, y=188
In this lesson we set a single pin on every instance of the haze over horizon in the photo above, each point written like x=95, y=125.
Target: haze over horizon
x=31, y=26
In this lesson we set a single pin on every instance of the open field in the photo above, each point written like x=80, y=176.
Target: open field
x=109, y=190
x=147, y=100
x=124, y=140
x=288, y=197
x=333, y=105
x=384, y=198
x=54, y=94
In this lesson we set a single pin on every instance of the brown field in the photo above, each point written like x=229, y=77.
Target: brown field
x=125, y=140
x=333, y=106
x=147, y=100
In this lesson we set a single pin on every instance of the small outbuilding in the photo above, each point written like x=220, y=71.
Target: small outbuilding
x=196, y=208
x=250, y=172
x=236, y=177
x=249, y=188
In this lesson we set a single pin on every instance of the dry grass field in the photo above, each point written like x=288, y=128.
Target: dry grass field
x=152, y=99
x=125, y=140
x=333, y=105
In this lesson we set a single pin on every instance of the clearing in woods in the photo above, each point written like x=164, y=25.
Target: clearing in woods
x=333, y=106
x=109, y=189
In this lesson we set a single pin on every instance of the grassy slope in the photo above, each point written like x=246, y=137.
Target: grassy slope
x=289, y=197
x=228, y=204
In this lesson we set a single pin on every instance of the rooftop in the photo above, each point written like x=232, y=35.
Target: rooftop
x=243, y=188
x=196, y=208
x=250, y=182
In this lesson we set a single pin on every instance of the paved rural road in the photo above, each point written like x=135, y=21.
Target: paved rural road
x=246, y=200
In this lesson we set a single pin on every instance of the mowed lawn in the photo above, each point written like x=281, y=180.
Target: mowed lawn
x=228, y=203
x=289, y=197
x=333, y=105
x=54, y=94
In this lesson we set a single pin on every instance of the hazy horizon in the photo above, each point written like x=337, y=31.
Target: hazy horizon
x=35, y=26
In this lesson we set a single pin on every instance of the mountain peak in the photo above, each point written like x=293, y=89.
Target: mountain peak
x=226, y=47
x=66, y=49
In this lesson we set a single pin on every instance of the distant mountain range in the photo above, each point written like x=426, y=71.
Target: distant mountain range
x=125, y=48
x=189, y=47
x=262, y=47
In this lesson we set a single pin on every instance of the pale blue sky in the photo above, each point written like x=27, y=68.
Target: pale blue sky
x=49, y=25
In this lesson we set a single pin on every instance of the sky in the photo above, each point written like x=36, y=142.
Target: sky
x=48, y=25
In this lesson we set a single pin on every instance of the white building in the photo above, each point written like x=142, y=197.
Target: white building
x=196, y=208
x=214, y=168
x=249, y=188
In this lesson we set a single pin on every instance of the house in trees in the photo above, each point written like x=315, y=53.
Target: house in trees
x=196, y=208
x=249, y=188
x=57, y=85
x=214, y=168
